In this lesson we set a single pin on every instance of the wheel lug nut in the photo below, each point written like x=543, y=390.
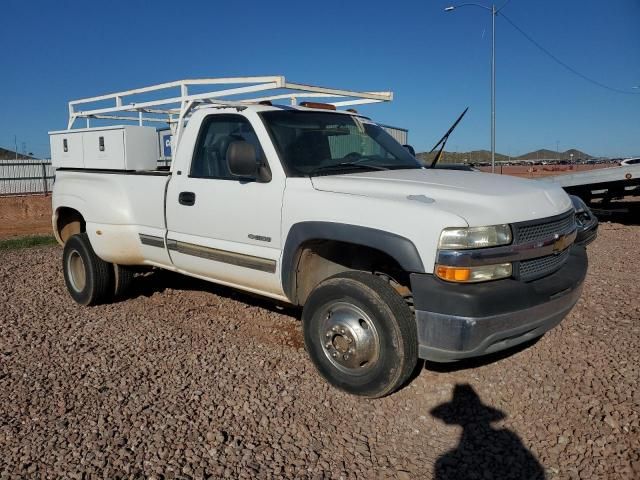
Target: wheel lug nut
x=342, y=331
x=328, y=344
x=349, y=339
x=351, y=350
x=334, y=354
x=345, y=356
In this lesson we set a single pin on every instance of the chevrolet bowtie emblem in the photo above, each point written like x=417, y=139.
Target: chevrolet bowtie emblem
x=562, y=242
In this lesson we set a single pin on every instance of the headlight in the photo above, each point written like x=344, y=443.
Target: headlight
x=475, y=237
x=474, y=274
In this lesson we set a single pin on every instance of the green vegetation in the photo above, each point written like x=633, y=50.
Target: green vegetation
x=26, y=242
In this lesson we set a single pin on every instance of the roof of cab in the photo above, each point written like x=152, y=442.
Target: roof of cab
x=257, y=107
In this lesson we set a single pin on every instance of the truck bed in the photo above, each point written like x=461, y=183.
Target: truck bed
x=123, y=206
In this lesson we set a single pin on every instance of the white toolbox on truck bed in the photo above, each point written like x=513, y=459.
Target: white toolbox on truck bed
x=122, y=147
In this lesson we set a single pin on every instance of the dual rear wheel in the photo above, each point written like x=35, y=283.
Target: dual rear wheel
x=89, y=279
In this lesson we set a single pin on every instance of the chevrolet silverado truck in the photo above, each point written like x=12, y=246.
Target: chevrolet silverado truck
x=321, y=208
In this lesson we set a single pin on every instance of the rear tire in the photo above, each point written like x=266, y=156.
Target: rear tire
x=89, y=279
x=360, y=334
x=123, y=278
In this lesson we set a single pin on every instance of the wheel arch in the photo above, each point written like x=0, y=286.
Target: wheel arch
x=368, y=241
x=67, y=221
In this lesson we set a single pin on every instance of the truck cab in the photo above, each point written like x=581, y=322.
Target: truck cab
x=321, y=208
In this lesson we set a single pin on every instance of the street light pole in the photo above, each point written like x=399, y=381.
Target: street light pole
x=493, y=88
x=494, y=12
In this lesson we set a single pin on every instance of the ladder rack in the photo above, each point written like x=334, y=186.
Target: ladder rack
x=174, y=109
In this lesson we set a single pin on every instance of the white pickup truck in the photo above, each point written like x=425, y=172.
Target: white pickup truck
x=321, y=208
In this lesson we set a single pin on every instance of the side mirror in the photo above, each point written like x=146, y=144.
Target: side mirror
x=242, y=160
x=410, y=149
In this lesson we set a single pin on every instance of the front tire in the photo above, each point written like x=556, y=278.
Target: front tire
x=89, y=279
x=360, y=334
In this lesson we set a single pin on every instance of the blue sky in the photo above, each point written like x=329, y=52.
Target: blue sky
x=436, y=63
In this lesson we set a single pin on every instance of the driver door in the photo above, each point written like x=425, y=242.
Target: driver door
x=221, y=227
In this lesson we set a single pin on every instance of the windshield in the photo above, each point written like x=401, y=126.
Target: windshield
x=311, y=143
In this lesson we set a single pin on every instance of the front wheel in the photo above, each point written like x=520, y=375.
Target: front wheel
x=89, y=279
x=360, y=334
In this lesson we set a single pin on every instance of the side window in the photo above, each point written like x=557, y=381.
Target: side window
x=216, y=134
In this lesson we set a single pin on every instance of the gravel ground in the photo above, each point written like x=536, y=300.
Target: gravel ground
x=190, y=380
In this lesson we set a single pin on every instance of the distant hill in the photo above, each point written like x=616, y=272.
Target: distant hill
x=542, y=153
x=577, y=154
x=550, y=154
x=477, y=156
x=11, y=155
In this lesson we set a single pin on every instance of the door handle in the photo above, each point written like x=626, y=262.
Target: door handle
x=187, y=198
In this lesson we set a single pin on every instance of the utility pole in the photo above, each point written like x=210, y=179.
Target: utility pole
x=493, y=88
x=494, y=12
x=15, y=146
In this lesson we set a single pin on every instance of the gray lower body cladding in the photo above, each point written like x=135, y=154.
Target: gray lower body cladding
x=457, y=321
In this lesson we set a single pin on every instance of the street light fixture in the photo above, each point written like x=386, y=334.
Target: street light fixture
x=494, y=11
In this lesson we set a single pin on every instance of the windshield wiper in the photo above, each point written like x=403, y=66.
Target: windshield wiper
x=443, y=141
x=345, y=166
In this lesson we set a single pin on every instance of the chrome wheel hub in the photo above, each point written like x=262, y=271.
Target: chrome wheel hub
x=349, y=338
x=76, y=271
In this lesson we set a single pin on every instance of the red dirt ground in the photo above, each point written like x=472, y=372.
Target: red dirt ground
x=25, y=215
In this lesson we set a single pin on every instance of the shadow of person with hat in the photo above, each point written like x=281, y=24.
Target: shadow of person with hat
x=483, y=452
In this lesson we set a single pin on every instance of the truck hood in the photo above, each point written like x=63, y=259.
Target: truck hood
x=479, y=198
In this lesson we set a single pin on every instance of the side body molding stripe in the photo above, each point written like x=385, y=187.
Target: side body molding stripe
x=233, y=258
x=224, y=256
x=151, y=240
x=400, y=248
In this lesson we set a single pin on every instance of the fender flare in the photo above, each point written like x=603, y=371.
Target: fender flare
x=401, y=249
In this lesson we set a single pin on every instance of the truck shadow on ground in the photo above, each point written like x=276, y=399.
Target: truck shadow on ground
x=483, y=452
x=147, y=283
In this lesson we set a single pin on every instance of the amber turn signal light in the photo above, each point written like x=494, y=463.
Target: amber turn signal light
x=480, y=273
x=453, y=274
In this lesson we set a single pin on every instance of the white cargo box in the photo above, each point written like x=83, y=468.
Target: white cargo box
x=122, y=147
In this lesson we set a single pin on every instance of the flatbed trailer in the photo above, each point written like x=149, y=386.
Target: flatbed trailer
x=604, y=183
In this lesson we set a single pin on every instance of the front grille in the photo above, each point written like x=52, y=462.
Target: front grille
x=537, y=231
x=540, y=267
x=527, y=232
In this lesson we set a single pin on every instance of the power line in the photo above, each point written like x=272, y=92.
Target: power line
x=568, y=67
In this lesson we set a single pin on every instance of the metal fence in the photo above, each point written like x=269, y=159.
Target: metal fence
x=20, y=177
